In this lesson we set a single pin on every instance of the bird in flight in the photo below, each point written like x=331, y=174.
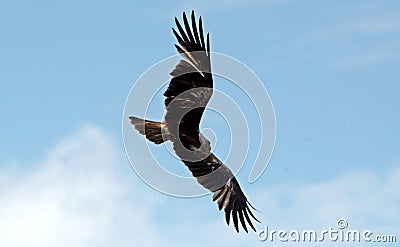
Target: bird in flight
x=186, y=97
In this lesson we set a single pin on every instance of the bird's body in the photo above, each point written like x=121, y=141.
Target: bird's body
x=187, y=95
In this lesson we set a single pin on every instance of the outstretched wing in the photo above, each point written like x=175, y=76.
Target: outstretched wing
x=213, y=175
x=190, y=89
x=187, y=95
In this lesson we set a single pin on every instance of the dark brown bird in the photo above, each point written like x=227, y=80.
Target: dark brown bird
x=186, y=97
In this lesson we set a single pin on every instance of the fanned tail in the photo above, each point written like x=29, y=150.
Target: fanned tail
x=154, y=131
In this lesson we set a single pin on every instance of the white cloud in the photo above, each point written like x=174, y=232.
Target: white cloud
x=77, y=196
x=73, y=197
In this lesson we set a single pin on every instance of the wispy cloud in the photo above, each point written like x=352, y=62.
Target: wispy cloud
x=364, y=59
x=356, y=41
x=351, y=27
x=356, y=36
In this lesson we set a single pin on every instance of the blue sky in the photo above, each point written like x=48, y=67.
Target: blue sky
x=331, y=70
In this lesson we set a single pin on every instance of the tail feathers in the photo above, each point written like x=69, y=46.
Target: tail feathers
x=153, y=131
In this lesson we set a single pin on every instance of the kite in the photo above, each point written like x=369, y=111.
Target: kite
x=186, y=97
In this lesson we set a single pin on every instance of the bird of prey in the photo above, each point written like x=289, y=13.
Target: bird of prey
x=186, y=97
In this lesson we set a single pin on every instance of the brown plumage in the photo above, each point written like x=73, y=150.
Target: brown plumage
x=186, y=97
